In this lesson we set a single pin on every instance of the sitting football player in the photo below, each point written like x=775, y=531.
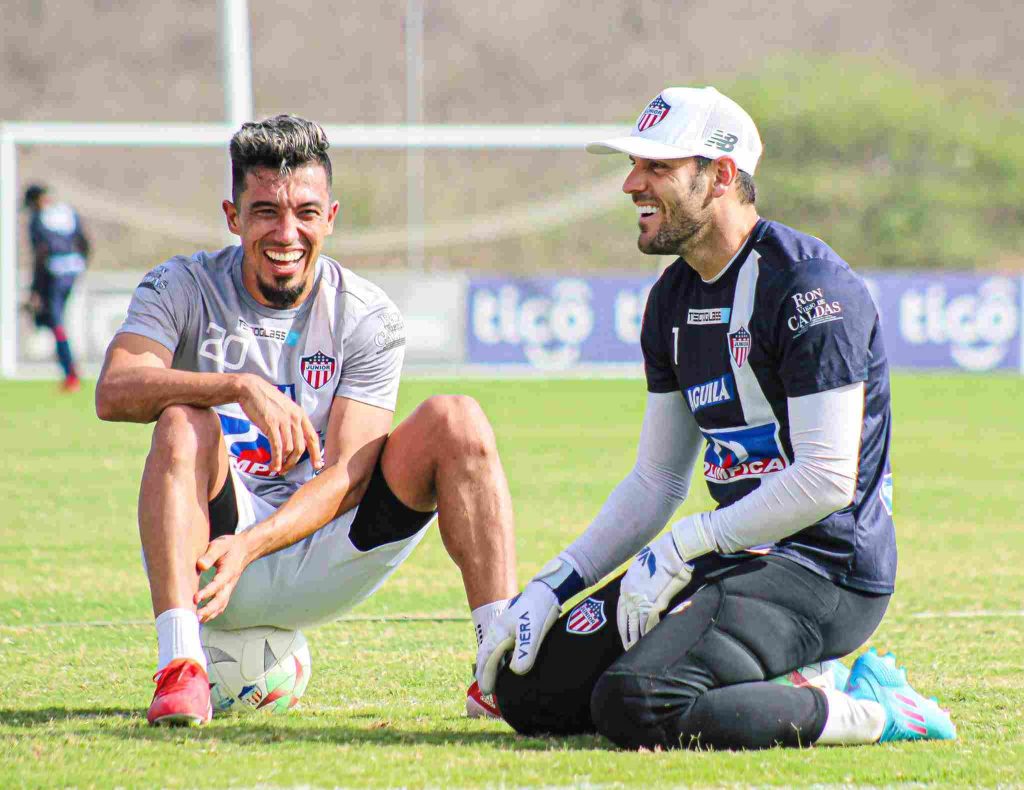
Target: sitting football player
x=763, y=355
x=272, y=374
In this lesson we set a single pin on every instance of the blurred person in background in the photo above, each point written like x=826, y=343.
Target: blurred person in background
x=765, y=364
x=60, y=249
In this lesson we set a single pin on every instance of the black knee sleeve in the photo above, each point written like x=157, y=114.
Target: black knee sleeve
x=635, y=711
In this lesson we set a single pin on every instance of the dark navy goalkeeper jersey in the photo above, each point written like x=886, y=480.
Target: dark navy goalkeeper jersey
x=786, y=318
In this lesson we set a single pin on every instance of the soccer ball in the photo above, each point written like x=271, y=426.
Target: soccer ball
x=253, y=669
x=822, y=674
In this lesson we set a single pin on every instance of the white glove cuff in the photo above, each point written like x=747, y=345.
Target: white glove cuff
x=692, y=536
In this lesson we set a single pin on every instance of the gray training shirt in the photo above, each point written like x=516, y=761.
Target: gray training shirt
x=346, y=340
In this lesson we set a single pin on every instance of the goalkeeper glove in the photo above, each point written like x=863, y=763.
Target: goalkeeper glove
x=661, y=570
x=524, y=624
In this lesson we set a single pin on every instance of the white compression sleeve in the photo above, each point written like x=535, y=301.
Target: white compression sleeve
x=639, y=507
x=825, y=431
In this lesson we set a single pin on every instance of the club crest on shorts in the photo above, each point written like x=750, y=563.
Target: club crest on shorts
x=739, y=345
x=655, y=113
x=317, y=369
x=587, y=617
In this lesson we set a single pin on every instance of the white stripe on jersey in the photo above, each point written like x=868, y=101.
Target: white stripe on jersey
x=756, y=409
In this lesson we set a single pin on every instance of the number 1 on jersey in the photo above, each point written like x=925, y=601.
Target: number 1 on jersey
x=675, y=346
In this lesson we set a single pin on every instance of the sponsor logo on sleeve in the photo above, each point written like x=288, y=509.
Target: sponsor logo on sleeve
x=711, y=393
x=742, y=453
x=155, y=280
x=317, y=369
x=739, y=345
x=655, y=113
x=392, y=335
x=586, y=618
x=712, y=315
x=812, y=308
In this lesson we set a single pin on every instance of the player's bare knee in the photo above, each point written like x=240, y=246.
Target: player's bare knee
x=185, y=432
x=462, y=425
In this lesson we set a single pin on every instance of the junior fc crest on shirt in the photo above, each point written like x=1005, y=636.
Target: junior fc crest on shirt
x=739, y=345
x=587, y=617
x=317, y=369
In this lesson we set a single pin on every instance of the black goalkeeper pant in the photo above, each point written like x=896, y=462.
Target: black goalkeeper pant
x=698, y=678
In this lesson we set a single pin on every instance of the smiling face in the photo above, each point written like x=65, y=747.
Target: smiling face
x=282, y=220
x=673, y=202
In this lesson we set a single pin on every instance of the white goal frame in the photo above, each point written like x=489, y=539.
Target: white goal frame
x=217, y=135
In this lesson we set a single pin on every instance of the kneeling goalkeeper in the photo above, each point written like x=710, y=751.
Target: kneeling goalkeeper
x=763, y=352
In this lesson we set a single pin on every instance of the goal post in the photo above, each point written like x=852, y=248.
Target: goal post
x=214, y=135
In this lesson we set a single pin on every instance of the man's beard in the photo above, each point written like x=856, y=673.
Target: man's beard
x=280, y=296
x=676, y=236
x=679, y=233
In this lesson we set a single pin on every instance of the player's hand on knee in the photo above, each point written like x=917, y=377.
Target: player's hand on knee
x=229, y=554
x=520, y=628
x=523, y=625
x=652, y=581
x=284, y=423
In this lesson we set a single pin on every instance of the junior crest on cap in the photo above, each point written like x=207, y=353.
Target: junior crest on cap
x=655, y=113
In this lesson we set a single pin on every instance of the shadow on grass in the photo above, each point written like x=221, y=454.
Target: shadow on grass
x=32, y=717
x=257, y=731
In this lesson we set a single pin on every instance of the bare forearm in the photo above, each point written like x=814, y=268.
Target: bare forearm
x=316, y=502
x=140, y=394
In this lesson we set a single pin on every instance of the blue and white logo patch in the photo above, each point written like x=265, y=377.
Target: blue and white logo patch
x=711, y=393
x=741, y=453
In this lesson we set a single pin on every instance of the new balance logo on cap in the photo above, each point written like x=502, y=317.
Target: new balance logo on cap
x=722, y=141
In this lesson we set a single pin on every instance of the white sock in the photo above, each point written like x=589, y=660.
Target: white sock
x=177, y=636
x=851, y=721
x=483, y=615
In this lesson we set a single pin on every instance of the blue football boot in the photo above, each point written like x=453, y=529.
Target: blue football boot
x=840, y=674
x=908, y=715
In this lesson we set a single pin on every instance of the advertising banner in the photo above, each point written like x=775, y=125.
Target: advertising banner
x=960, y=321
x=965, y=321
x=554, y=323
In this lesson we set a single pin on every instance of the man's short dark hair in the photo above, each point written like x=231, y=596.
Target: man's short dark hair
x=745, y=186
x=282, y=143
x=33, y=193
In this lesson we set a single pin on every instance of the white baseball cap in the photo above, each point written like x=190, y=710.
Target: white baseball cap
x=682, y=122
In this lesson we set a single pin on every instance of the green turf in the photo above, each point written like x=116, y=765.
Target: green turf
x=385, y=703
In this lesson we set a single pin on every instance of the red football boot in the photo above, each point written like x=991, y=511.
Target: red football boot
x=480, y=705
x=182, y=694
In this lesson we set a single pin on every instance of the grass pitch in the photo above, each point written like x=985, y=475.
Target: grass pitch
x=385, y=705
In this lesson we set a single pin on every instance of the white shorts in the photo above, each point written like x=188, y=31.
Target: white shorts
x=313, y=581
